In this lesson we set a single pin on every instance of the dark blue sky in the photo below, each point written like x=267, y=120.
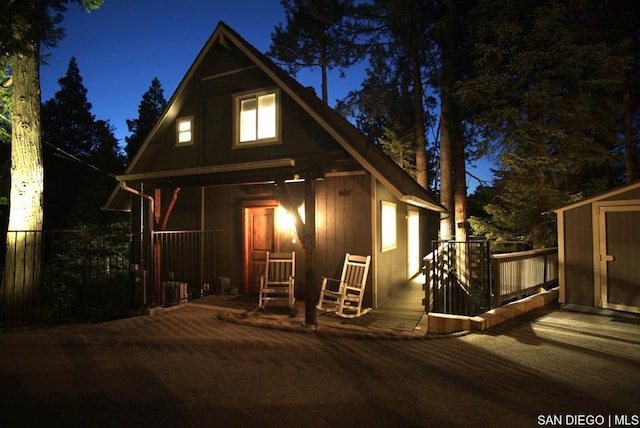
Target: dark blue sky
x=123, y=45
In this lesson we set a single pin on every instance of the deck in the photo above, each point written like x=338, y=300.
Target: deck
x=402, y=311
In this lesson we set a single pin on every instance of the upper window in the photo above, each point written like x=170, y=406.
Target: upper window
x=184, y=131
x=257, y=116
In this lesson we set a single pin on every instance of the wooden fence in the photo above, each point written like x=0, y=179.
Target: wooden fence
x=515, y=275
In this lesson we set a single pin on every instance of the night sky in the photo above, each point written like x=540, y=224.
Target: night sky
x=123, y=45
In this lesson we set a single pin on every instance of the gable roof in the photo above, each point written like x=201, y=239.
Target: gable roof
x=600, y=196
x=354, y=142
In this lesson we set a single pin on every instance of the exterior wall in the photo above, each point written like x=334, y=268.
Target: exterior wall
x=578, y=283
x=343, y=224
x=391, y=272
x=578, y=256
x=211, y=103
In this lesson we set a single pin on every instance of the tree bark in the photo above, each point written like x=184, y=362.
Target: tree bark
x=446, y=174
x=422, y=164
x=22, y=262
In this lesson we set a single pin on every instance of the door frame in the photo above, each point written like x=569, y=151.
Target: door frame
x=246, y=232
x=599, y=219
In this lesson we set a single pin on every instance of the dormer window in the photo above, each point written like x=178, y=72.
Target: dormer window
x=184, y=131
x=257, y=117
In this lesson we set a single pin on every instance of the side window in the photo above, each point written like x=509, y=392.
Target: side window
x=184, y=131
x=257, y=118
x=388, y=226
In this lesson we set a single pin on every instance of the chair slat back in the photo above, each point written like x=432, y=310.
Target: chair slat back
x=280, y=267
x=355, y=270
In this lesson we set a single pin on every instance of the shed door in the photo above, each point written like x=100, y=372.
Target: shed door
x=620, y=257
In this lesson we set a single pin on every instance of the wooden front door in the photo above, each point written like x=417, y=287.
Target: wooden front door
x=619, y=249
x=260, y=236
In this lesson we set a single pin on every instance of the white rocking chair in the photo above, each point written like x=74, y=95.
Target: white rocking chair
x=344, y=296
x=277, y=283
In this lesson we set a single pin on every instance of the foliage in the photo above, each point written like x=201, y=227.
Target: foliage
x=546, y=98
x=317, y=34
x=398, y=145
x=399, y=47
x=86, y=269
x=77, y=177
x=149, y=110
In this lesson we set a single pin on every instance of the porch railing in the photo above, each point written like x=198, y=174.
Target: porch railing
x=463, y=279
x=457, y=278
x=521, y=273
x=186, y=265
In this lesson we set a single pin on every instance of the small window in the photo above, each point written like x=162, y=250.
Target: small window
x=184, y=131
x=257, y=116
x=388, y=226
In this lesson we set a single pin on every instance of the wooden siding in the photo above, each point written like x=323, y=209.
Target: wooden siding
x=343, y=224
x=211, y=103
x=578, y=256
x=392, y=264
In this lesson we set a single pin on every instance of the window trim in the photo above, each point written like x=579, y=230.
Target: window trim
x=191, y=121
x=243, y=96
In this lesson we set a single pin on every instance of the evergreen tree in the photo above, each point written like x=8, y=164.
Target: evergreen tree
x=67, y=121
x=398, y=37
x=27, y=26
x=547, y=98
x=149, y=111
x=75, y=188
x=316, y=34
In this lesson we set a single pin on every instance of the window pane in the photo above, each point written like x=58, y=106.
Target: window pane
x=184, y=125
x=267, y=116
x=184, y=136
x=248, y=120
x=388, y=226
x=184, y=130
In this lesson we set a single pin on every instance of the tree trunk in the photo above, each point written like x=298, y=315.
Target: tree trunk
x=460, y=180
x=422, y=164
x=446, y=174
x=22, y=262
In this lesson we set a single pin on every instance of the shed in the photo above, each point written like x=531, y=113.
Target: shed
x=599, y=250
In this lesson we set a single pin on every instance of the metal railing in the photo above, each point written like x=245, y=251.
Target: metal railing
x=186, y=264
x=462, y=278
x=59, y=276
x=521, y=273
x=457, y=278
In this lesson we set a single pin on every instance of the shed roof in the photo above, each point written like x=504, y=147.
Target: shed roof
x=369, y=155
x=600, y=196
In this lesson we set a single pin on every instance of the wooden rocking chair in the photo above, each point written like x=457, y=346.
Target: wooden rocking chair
x=344, y=296
x=277, y=283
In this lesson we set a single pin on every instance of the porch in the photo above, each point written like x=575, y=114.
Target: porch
x=402, y=313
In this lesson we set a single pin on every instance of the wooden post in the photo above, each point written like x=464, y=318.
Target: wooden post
x=309, y=245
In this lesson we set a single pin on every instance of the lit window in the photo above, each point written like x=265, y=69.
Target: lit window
x=257, y=118
x=184, y=131
x=388, y=223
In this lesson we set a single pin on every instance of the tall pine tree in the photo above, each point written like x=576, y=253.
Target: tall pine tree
x=547, y=98
x=27, y=26
x=149, y=110
x=75, y=187
x=317, y=34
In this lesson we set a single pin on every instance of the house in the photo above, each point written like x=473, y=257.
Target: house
x=244, y=149
x=599, y=250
